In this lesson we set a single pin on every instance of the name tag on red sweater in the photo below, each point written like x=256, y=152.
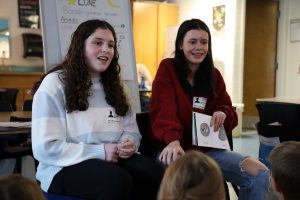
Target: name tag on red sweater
x=199, y=102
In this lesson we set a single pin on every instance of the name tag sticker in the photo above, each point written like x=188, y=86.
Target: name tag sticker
x=112, y=117
x=199, y=102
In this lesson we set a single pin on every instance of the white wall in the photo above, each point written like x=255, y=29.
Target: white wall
x=288, y=54
x=9, y=10
x=227, y=46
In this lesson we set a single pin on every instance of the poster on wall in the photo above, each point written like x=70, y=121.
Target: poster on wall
x=4, y=47
x=219, y=18
x=295, y=30
x=29, y=16
x=4, y=40
x=71, y=13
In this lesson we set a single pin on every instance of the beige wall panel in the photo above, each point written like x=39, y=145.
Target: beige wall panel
x=167, y=16
x=145, y=34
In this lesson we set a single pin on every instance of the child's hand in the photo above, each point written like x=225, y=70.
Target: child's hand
x=126, y=149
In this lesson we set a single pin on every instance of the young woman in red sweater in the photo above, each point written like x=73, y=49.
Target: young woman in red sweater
x=190, y=82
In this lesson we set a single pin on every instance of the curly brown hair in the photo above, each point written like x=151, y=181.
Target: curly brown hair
x=76, y=78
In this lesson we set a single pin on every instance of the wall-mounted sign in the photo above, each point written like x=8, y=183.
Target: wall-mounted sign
x=29, y=16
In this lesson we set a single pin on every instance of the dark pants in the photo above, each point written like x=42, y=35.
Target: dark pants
x=138, y=177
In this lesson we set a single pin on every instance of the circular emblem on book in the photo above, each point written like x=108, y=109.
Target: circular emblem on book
x=222, y=134
x=204, y=129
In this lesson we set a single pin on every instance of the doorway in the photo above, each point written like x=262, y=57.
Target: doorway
x=259, y=55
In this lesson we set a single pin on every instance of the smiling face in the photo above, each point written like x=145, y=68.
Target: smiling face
x=99, y=51
x=195, y=47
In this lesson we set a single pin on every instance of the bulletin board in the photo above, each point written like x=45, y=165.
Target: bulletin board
x=60, y=18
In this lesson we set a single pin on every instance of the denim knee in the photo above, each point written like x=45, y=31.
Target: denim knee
x=257, y=187
x=262, y=179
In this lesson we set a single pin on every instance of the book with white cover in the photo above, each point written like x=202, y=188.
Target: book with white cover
x=204, y=135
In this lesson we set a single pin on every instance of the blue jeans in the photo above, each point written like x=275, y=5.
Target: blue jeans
x=263, y=153
x=251, y=187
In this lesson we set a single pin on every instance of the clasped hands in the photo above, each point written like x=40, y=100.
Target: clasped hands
x=173, y=150
x=123, y=150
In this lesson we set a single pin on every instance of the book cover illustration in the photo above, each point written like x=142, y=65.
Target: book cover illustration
x=204, y=135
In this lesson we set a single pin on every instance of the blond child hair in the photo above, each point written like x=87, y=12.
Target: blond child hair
x=15, y=186
x=191, y=177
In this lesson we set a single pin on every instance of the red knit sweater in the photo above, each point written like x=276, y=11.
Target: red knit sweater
x=171, y=108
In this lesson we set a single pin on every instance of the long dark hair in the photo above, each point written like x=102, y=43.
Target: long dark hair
x=204, y=77
x=76, y=78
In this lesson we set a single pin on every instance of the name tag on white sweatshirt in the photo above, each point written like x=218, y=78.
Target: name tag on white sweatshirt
x=112, y=117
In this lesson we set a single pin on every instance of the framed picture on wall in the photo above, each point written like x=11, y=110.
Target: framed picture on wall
x=218, y=18
x=29, y=16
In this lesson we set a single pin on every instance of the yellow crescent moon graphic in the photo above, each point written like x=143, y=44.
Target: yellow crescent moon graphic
x=112, y=4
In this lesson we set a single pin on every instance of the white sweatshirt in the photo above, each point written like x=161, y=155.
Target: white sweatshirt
x=61, y=139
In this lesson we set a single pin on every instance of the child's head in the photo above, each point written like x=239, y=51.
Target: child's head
x=18, y=187
x=285, y=165
x=193, y=176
